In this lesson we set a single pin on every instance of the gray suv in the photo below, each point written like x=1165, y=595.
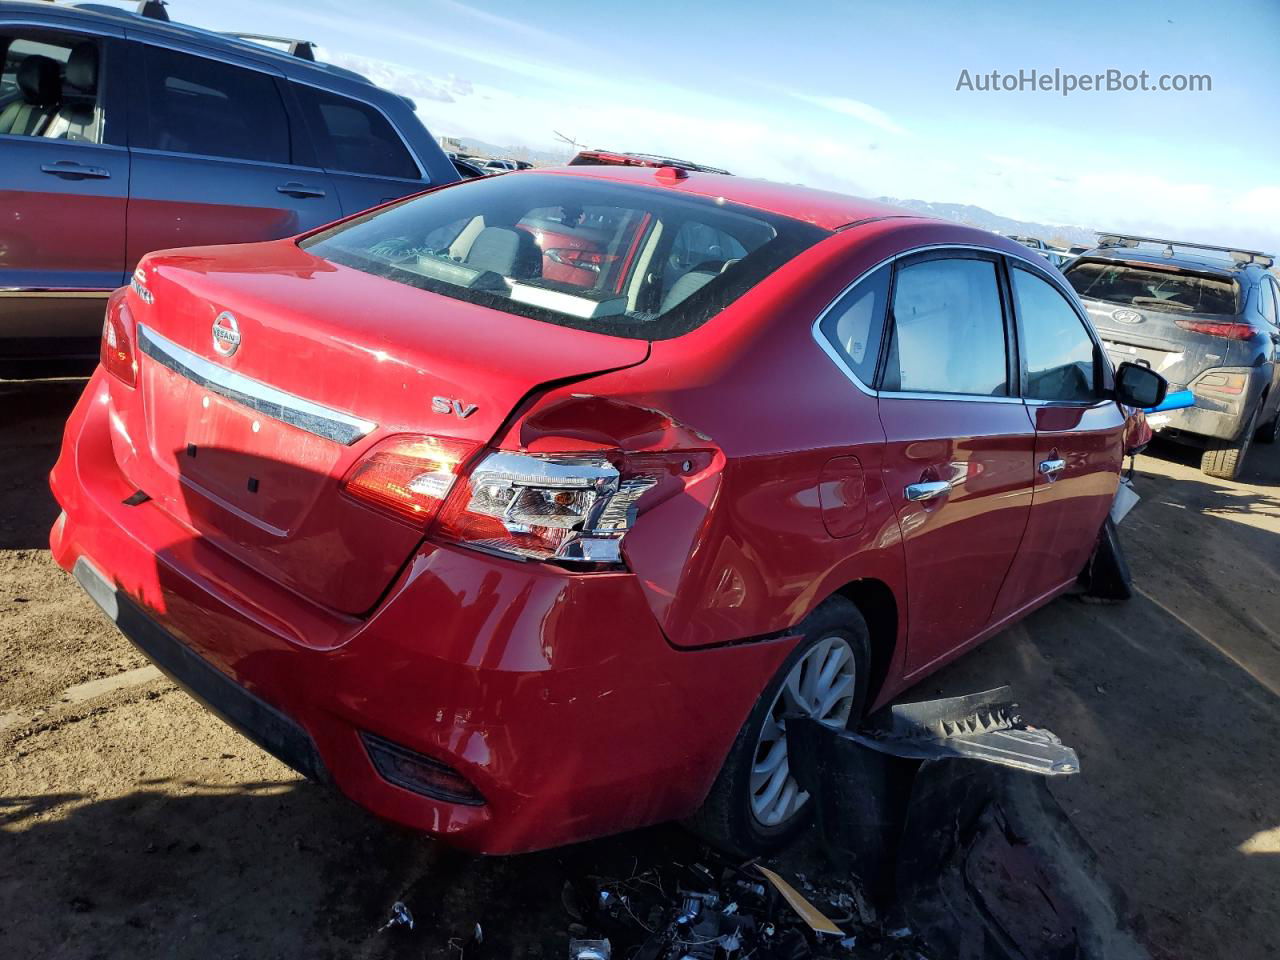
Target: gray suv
x=122, y=133
x=1204, y=317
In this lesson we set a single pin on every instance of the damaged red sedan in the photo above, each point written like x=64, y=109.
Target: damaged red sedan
x=526, y=510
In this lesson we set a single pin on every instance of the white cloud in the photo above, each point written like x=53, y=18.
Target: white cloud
x=856, y=109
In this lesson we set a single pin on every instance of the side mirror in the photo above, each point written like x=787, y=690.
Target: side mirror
x=1138, y=386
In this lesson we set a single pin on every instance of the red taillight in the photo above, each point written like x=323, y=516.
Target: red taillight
x=568, y=507
x=117, y=347
x=408, y=476
x=582, y=259
x=1231, y=331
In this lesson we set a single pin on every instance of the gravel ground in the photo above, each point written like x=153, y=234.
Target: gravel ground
x=134, y=824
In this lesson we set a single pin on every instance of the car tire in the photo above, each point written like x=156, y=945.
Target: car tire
x=1222, y=459
x=728, y=819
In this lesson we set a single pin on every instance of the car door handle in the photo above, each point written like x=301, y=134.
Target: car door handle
x=71, y=170
x=928, y=490
x=295, y=189
x=1051, y=468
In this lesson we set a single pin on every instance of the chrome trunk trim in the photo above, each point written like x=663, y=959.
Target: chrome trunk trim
x=259, y=397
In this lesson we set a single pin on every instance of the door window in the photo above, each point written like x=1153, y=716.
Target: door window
x=49, y=87
x=354, y=137
x=209, y=108
x=1059, y=355
x=855, y=324
x=948, y=332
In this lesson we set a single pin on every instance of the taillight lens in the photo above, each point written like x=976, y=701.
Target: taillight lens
x=582, y=259
x=575, y=508
x=1231, y=331
x=408, y=477
x=117, y=346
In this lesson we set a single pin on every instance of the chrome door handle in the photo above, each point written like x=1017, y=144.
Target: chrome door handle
x=927, y=491
x=1051, y=468
x=295, y=189
x=75, y=171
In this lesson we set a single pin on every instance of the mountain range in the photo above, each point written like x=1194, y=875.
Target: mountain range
x=972, y=216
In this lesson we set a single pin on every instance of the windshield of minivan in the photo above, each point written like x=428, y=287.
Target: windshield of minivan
x=1131, y=285
x=637, y=262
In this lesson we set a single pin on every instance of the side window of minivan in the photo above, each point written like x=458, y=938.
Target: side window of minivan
x=354, y=137
x=200, y=106
x=1060, y=358
x=948, y=329
x=49, y=87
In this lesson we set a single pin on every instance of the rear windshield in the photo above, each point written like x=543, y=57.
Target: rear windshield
x=638, y=262
x=1178, y=292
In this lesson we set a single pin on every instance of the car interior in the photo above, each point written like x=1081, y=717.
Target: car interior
x=49, y=88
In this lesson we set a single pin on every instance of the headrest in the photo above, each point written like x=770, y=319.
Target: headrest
x=39, y=80
x=82, y=67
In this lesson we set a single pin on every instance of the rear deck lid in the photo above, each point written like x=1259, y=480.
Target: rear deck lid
x=266, y=373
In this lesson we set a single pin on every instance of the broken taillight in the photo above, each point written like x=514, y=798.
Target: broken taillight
x=116, y=351
x=582, y=259
x=575, y=508
x=408, y=476
x=1228, y=330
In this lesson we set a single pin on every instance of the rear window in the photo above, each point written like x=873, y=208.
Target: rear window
x=638, y=262
x=1138, y=286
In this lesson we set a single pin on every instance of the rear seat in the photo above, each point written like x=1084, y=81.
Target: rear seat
x=40, y=84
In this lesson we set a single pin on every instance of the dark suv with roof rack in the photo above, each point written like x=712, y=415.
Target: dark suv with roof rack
x=123, y=133
x=1204, y=317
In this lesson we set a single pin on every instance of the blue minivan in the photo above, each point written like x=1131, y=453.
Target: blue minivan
x=122, y=133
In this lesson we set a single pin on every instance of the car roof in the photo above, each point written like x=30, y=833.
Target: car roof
x=117, y=16
x=824, y=209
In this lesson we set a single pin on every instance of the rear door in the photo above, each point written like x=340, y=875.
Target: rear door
x=215, y=158
x=958, y=459
x=64, y=182
x=358, y=146
x=1079, y=445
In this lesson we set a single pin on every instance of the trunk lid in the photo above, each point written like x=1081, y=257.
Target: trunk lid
x=247, y=444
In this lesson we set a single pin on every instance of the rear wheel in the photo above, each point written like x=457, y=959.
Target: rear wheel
x=1224, y=458
x=756, y=806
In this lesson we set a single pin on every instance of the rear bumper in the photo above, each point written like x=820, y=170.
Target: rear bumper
x=554, y=694
x=1215, y=415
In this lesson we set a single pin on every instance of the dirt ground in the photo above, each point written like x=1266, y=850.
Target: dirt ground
x=134, y=824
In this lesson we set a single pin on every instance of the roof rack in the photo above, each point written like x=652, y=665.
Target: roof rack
x=153, y=9
x=302, y=49
x=1108, y=239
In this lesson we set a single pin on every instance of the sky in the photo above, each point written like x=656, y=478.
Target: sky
x=859, y=97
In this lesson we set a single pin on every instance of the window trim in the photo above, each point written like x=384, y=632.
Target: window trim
x=422, y=178
x=1068, y=293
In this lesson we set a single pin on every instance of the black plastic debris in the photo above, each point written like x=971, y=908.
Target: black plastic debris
x=973, y=860
x=1106, y=577
x=400, y=917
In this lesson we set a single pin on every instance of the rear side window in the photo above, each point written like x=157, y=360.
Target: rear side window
x=855, y=324
x=206, y=107
x=1268, y=301
x=948, y=332
x=576, y=251
x=1058, y=353
x=1139, y=286
x=354, y=137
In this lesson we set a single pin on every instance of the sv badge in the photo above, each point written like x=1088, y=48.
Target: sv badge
x=456, y=407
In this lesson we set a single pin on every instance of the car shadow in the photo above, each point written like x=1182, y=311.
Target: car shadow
x=192, y=870
x=31, y=417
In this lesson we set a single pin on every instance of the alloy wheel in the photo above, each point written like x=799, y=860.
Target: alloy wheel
x=822, y=686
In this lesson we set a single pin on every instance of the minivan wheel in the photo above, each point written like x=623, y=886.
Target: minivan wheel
x=756, y=806
x=1224, y=458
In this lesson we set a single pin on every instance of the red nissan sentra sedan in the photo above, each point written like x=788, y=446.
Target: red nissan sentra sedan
x=521, y=554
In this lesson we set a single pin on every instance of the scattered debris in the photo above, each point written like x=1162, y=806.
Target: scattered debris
x=400, y=917
x=818, y=921
x=589, y=950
